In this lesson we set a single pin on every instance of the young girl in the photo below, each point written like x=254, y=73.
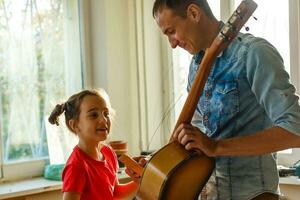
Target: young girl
x=90, y=172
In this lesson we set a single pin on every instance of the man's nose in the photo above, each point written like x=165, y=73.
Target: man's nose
x=173, y=42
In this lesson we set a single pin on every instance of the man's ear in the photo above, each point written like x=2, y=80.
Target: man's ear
x=73, y=125
x=194, y=12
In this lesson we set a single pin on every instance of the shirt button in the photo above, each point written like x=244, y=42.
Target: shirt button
x=207, y=94
x=205, y=117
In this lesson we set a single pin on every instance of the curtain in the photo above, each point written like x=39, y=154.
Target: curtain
x=33, y=73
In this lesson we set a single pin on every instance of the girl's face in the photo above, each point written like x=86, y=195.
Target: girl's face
x=93, y=124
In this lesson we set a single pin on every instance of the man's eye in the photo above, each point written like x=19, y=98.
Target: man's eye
x=170, y=32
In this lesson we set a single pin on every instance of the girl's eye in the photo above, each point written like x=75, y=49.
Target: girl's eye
x=106, y=114
x=94, y=115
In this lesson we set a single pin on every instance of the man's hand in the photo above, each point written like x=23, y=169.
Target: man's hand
x=193, y=139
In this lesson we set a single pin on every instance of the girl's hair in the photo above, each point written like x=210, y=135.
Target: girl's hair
x=72, y=106
x=179, y=7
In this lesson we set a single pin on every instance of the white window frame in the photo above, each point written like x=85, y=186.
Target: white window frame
x=294, y=7
x=76, y=31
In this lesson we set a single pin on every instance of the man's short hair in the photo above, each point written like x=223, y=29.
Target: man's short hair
x=179, y=7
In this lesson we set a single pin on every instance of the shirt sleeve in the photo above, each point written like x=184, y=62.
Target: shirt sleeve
x=73, y=179
x=271, y=84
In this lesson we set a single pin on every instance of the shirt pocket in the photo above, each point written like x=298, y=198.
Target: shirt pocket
x=225, y=102
x=225, y=87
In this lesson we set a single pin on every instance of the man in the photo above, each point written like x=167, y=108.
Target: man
x=248, y=108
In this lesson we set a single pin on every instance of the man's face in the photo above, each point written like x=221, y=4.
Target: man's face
x=180, y=31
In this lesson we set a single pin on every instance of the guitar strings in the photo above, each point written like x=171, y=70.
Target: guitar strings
x=166, y=114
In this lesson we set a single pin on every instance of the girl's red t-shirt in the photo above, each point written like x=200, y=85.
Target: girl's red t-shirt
x=94, y=180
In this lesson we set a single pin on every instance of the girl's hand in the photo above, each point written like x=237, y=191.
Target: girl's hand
x=136, y=177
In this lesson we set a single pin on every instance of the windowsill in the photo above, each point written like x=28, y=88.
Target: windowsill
x=37, y=185
x=290, y=180
x=28, y=187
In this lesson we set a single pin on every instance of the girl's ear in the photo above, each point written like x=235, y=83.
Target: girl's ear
x=73, y=125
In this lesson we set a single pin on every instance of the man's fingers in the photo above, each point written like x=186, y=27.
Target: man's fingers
x=185, y=136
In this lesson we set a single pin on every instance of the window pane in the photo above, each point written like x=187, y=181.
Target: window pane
x=35, y=72
x=181, y=60
x=272, y=24
x=215, y=7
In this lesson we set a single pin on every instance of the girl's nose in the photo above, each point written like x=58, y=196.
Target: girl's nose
x=103, y=117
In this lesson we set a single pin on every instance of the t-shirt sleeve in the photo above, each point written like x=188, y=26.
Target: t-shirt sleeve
x=73, y=178
x=270, y=83
x=112, y=156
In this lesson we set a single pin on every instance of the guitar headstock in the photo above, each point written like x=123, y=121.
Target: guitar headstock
x=237, y=20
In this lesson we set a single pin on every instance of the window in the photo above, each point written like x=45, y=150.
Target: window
x=279, y=25
x=271, y=25
x=181, y=60
x=40, y=65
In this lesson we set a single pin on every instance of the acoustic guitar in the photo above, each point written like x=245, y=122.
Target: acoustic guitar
x=173, y=173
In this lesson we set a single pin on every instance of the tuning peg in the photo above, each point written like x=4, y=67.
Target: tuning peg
x=254, y=18
x=247, y=28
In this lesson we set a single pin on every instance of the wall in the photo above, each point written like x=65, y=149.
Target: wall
x=125, y=59
x=110, y=59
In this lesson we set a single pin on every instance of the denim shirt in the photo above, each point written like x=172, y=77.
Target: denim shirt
x=247, y=91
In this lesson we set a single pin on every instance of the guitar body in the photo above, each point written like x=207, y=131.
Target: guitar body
x=174, y=173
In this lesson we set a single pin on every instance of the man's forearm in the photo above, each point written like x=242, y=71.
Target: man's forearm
x=266, y=141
